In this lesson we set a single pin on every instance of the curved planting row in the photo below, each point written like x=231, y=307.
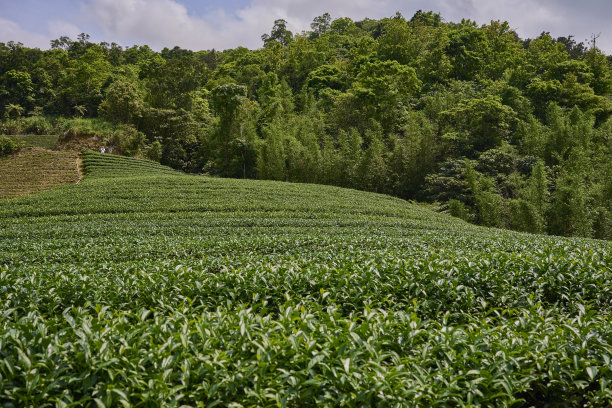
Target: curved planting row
x=162, y=289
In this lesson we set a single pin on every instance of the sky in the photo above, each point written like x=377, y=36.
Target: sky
x=222, y=24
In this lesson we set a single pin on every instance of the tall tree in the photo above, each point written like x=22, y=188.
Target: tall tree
x=279, y=34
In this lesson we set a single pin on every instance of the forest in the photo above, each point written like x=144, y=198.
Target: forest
x=489, y=127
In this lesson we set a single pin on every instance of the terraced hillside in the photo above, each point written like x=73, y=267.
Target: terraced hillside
x=34, y=169
x=141, y=286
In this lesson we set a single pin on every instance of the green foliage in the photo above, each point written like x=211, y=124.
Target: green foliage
x=373, y=173
x=467, y=49
x=227, y=101
x=271, y=158
x=413, y=155
x=325, y=76
x=524, y=216
x=13, y=111
x=449, y=182
x=44, y=141
x=84, y=79
x=281, y=35
x=601, y=79
x=16, y=92
x=537, y=190
x=488, y=203
x=382, y=87
x=129, y=140
x=495, y=162
x=320, y=25
x=123, y=103
x=602, y=223
x=154, y=151
x=37, y=125
x=486, y=121
x=145, y=286
x=569, y=214
x=8, y=146
x=458, y=209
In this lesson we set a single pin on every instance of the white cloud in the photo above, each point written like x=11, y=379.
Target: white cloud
x=166, y=23
x=11, y=31
x=58, y=28
x=158, y=23
x=529, y=17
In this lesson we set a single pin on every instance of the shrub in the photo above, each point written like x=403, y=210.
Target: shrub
x=8, y=146
x=458, y=209
x=129, y=140
x=84, y=128
x=11, y=127
x=123, y=102
x=154, y=151
x=524, y=216
x=37, y=125
x=602, y=225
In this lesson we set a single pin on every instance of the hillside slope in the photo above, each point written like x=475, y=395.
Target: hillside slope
x=145, y=286
x=34, y=169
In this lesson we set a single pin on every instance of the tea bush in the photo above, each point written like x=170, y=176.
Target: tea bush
x=142, y=286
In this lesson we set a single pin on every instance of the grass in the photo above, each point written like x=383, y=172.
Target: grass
x=32, y=170
x=141, y=286
x=43, y=141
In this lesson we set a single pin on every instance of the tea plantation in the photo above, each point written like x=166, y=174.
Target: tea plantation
x=32, y=170
x=144, y=287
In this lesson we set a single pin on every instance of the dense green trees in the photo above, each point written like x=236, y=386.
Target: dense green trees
x=495, y=129
x=123, y=102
